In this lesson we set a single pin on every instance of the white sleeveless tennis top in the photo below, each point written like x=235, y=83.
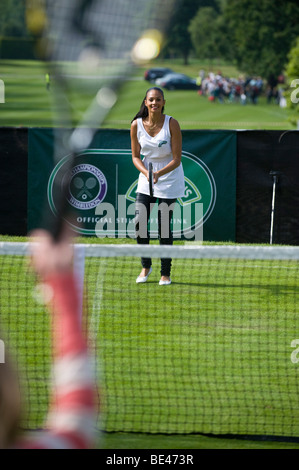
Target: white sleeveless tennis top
x=158, y=151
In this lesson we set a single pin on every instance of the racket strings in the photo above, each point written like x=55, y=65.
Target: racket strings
x=113, y=26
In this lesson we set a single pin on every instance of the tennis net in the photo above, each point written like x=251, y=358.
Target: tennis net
x=216, y=352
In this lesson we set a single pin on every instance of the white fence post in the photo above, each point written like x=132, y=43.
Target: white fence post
x=2, y=92
x=79, y=270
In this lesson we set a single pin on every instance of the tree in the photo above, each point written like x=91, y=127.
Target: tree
x=262, y=32
x=12, y=18
x=292, y=72
x=209, y=34
x=203, y=30
x=179, y=40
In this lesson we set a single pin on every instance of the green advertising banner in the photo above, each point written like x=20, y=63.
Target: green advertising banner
x=103, y=185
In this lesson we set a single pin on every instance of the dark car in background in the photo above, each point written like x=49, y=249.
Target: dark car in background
x=157, y=72
x=177, y=81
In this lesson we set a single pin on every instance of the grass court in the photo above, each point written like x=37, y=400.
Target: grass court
x=208, y=355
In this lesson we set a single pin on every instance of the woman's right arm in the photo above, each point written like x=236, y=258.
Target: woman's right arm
x=135, y=147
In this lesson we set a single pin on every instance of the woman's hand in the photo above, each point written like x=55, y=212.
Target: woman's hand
x=155, y=177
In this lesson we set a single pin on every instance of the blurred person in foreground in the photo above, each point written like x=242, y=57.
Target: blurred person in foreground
x=70, y=422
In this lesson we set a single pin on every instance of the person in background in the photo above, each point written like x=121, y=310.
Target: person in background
x=48, y=81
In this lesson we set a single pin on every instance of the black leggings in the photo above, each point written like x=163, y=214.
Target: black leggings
x=144, y=205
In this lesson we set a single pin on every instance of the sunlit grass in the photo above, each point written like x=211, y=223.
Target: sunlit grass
x=28, y=103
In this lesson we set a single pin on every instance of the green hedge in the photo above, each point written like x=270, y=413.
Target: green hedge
x=17, y=48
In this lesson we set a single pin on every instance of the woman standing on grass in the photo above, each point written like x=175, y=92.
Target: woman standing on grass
x=157, y=138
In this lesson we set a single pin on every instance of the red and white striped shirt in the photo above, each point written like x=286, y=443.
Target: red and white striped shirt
x=71, y=419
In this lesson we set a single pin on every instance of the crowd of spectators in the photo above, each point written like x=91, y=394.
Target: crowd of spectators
x=242, y=89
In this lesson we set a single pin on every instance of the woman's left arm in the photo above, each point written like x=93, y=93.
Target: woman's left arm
x=176, y=146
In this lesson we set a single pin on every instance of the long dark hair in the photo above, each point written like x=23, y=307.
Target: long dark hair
x=143, y=111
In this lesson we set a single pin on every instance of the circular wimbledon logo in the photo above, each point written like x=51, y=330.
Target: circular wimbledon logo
x=86, y=189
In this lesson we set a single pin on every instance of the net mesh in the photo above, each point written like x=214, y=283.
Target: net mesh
x=214, y=352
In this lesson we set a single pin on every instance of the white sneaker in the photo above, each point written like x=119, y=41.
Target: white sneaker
x=164, y=283
x=141, y=279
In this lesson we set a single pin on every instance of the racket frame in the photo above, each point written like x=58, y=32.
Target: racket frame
x=151, y=179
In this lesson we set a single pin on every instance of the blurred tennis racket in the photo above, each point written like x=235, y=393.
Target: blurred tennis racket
x=151, y=179
x=90, y=48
